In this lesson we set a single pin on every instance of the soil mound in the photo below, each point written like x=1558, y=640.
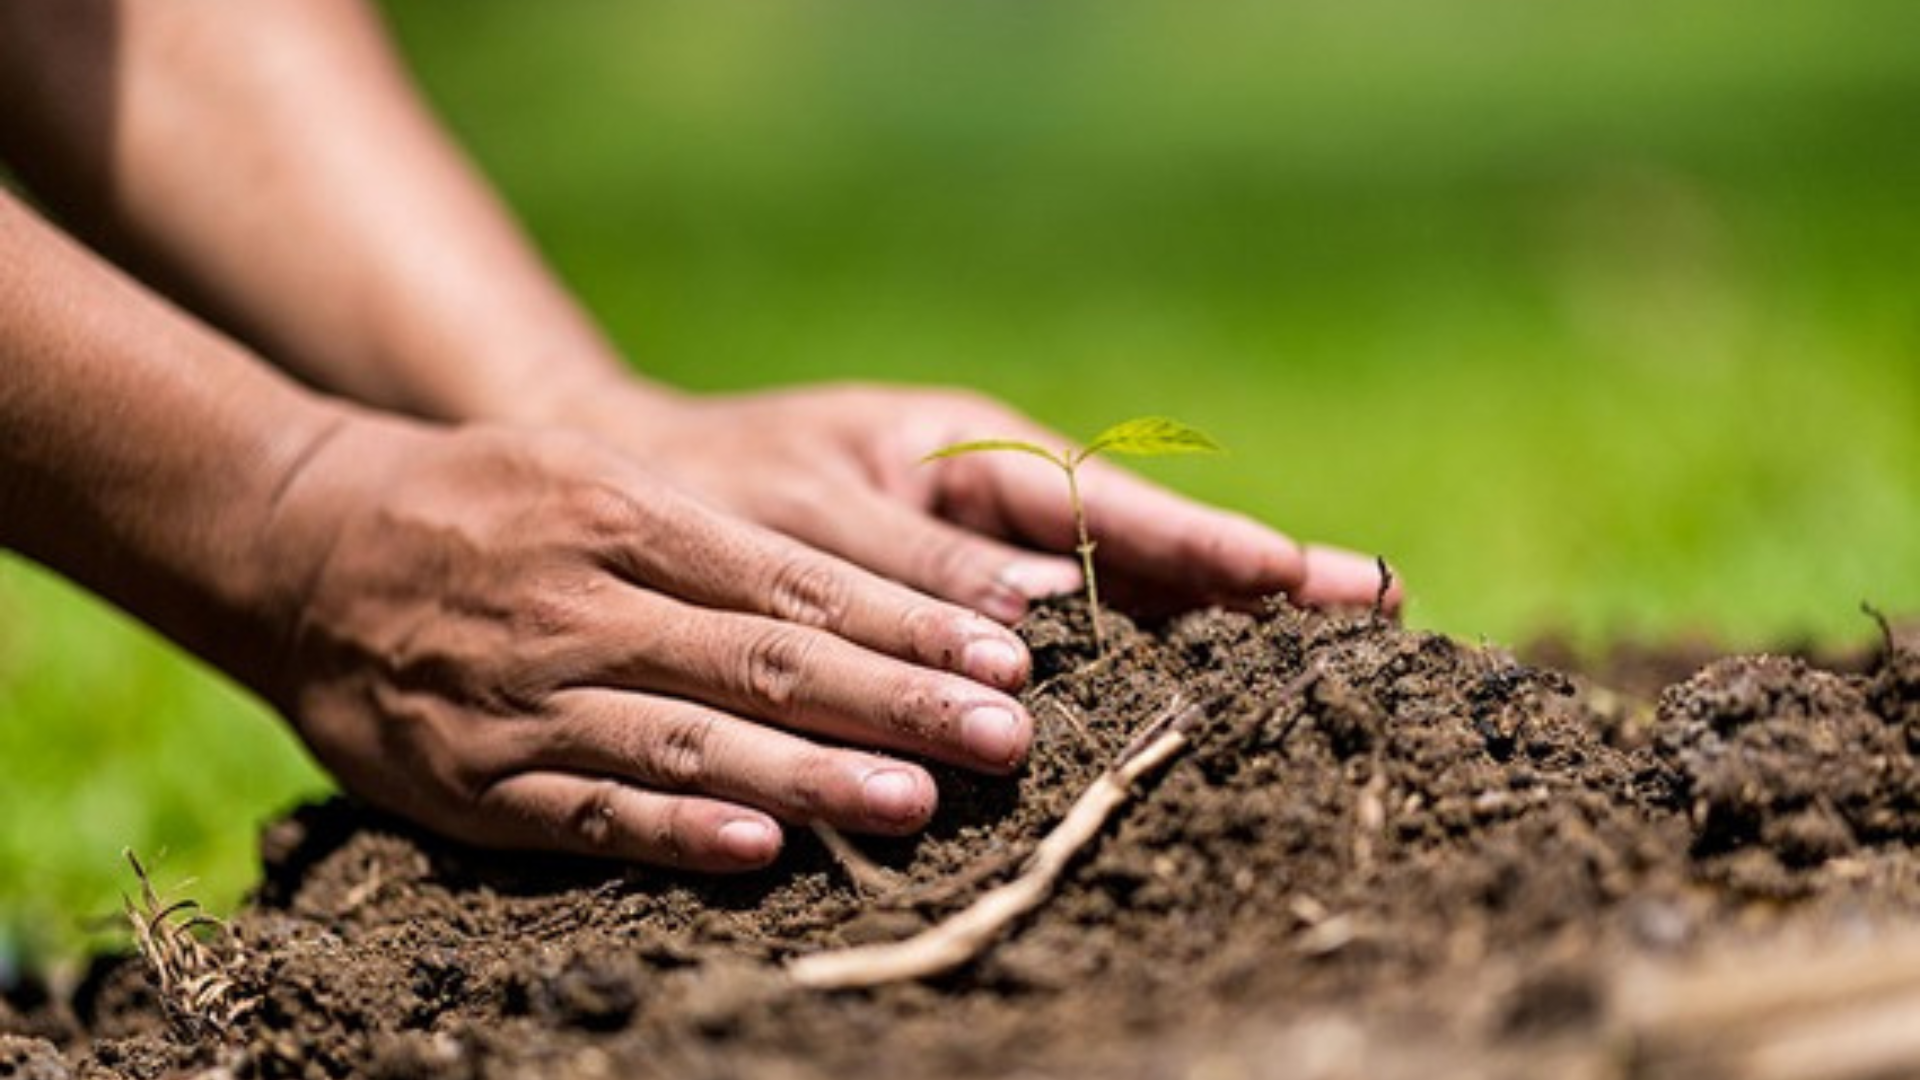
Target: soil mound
x=1384, y=853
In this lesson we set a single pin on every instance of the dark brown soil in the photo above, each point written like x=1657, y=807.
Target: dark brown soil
x=1386, y=853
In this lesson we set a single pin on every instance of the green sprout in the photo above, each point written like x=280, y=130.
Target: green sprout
x=1145, y=436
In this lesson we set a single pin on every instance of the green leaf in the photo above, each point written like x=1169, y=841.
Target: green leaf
x=981, y=446
x=1151, y=436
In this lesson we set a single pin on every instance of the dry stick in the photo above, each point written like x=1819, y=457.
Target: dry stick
x=962, y=937
x=1755, y=993
x=1837, y=1014
x=1871, y=1041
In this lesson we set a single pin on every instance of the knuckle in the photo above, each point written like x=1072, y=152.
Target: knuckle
x=551, y=612
x=1201, y=548
x=682, y=758
x=606, y=505
x=776, y=665
x=810, y=591
x=792, y=501
x=969, y=491
x=931, y=634
x=670, y=835
x=602, y=509
x=808, y=796
x=919, y=709
x=594, y=820
x=949, y=564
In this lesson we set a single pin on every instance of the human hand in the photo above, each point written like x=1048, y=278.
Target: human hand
x=522, y=640
x=840, y=468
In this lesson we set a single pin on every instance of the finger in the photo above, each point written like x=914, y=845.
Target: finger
x=675, y=746
x=717, y=562
x=1150, y=540
x=905, y=543
x=809, y=680
x=1340, y=578
x=609, y=818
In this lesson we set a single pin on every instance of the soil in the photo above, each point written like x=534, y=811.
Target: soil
x=1385, y=853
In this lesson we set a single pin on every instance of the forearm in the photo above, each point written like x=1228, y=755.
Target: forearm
x=140, y=454
x=269, y=165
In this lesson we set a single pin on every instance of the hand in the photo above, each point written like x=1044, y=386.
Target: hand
x=840, y=468
x=522, y=640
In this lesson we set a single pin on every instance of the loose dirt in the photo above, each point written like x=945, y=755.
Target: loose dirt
x=1385, y=853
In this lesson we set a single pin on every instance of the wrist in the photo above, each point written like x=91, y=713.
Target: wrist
x=242, y=581
x=604, y=400
x=328, y=468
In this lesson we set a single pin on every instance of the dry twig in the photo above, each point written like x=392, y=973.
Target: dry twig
x=1386, y=586
x=962, y=937
x=1835, y=1012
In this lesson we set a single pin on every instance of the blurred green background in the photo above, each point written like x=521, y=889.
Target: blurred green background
x=1597, y=318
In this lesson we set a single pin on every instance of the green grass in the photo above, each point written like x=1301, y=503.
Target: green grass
x=1600, y=321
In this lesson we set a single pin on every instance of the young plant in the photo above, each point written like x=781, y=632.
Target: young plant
x=1145, y=436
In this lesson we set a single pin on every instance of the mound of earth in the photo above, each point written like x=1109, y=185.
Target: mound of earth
x=1384, y=853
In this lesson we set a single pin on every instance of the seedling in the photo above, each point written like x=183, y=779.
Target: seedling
x=1145, y=436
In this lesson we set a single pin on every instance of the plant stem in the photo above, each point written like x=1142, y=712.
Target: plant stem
x=1086, y=558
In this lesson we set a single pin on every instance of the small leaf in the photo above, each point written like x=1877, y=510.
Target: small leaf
x=1151, y=436
x=981, y=446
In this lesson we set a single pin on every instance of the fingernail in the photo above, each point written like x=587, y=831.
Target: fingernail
x=995, y=661
x=892, y=795
x=991, y=734
x=1037, y=579
x=1003, y=606
x=749, y=840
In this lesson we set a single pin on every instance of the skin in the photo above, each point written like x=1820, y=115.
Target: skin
x=513, y=590
x=517, y=637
